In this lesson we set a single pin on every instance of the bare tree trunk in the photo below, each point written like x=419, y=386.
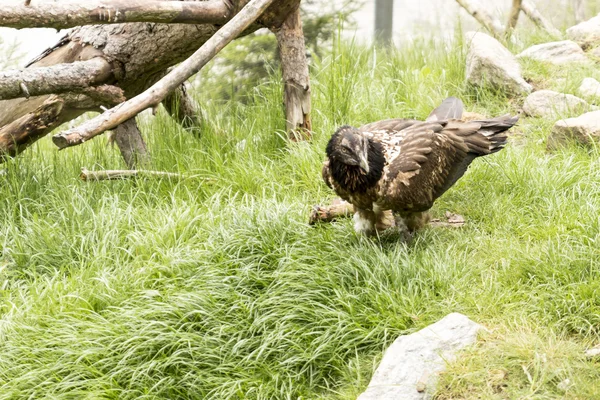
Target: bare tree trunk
x=493, y=25
x=294, y=66
x=529, y=9
x=384, y=21
x=513, y=17
x=579, y=6
x=129, y=140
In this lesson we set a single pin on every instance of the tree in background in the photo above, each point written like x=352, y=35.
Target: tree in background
x=384, y=21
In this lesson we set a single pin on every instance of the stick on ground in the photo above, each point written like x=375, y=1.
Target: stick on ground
x=117, y=174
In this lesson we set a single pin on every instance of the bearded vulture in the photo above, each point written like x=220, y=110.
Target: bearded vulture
x=404, y=165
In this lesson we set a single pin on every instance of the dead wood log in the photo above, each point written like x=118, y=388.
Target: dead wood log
x=534, y=15
x=153, y=96
x=111, y=175
x=493, y=25
x=183, y=108
x=60, y=78
x=294, y=68
x=68, y=14
x=139, y=54
x=129, y=139
x=513, y=17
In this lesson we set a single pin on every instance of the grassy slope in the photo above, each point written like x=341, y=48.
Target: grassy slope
x=184, y=289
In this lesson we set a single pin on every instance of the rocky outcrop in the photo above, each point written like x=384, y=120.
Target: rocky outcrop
x=411, y=365
x=584, y=129
x=550, y=104
x=490, y=64
x=587, y=33
x=562, y=52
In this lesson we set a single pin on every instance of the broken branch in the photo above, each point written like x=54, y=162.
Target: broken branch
x=170, y=82
x=68, y=14
x=22, y=132
x=537, y=18
x=493, y=25
x=60, y=78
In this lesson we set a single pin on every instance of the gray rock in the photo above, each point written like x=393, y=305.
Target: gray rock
x=584, y=129
x=562, y=52
x=589, y=88
x=550, y=104
x=410, y=366
x=587, y=33
x=489, y=64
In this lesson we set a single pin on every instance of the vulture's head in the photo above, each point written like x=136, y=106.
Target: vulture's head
x=356, y=162
x=348, y=146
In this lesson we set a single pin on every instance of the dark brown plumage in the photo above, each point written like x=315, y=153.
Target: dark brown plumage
x=404, y=165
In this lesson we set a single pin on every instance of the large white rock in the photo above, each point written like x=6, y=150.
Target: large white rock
x=584, y=129
x=550, y=104
x=489, y=64
x=562, y=52
x=589, y=88
x=411, y=365
x=587, y=33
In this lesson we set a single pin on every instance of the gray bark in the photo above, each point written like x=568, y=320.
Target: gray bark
x=131, y=144
x=183, y=108
x=154, y=95
x=294, y=66
x=68, y=14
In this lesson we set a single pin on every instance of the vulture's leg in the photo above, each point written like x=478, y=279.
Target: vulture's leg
x=385, y=220
x=364, y=221
x=369, y=222
x=416, y=221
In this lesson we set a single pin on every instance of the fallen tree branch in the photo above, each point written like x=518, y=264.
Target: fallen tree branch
x=493, y=25
x=117, y=174
x=170, y=82
x=60, y=78
x=343, y=209
x=68, y=14
x=534, y=15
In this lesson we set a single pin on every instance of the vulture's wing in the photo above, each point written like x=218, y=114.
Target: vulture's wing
x=390, y=125
x=432, y=156
x=451, y=108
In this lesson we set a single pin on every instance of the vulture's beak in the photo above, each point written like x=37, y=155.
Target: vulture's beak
x=364, y=164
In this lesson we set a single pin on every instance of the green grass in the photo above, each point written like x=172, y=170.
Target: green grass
x=194, y=289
